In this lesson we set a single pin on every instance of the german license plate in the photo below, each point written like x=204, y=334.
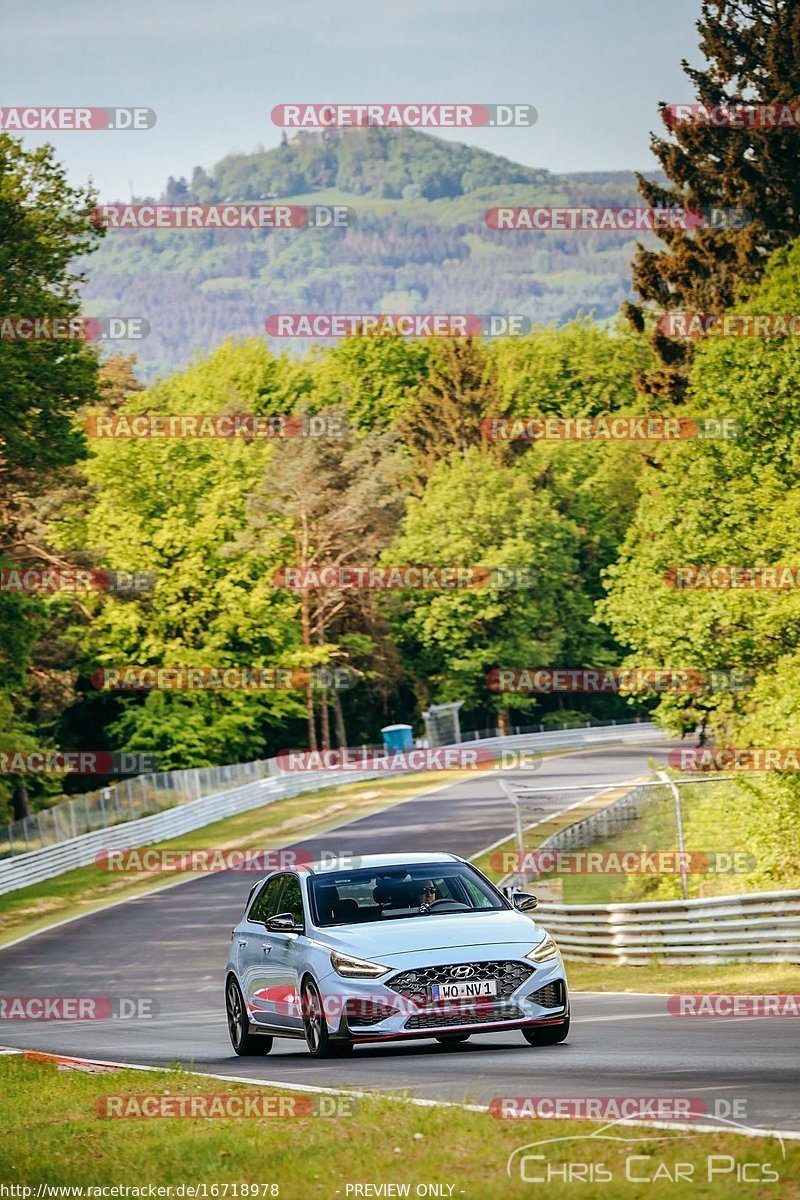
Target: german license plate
x=456, y=990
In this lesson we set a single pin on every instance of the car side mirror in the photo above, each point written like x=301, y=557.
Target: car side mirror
x=524, y=901
x=282, y=923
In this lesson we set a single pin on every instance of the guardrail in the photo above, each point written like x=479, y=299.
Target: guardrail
x=754, y=926
x=81, y=851
x=143, y=795
x=759, y=927
x=130, y=799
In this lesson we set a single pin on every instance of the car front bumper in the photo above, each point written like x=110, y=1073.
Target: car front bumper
x=372, y=1010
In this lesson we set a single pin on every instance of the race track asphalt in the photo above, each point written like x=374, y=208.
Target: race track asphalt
x=172, y=946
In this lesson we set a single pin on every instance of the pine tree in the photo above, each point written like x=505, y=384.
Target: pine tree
x=444, y=418
x=752, y=48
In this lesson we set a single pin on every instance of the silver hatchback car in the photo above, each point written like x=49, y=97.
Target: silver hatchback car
x=390, y=946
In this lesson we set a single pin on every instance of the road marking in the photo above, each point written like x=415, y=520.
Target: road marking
x=284, y=1086
x=648, y=1016
x=575, y=992
x=312, y=837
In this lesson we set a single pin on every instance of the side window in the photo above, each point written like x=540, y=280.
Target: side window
x=292, y=900
x=475, y=896
x=265, y=904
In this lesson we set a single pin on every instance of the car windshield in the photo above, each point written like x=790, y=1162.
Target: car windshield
x=393, y=893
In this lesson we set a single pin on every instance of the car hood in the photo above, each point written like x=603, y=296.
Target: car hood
x=386, y=940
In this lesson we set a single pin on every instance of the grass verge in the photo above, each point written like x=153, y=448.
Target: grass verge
x=715, y=821
x=63, y=1141
x=655, y=829
x=751, y=979
x=269, y=827
x=497, y=862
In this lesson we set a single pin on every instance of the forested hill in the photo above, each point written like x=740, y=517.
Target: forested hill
x=388, y=164
x=420, y=243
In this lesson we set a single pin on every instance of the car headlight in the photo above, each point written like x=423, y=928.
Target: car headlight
x=545, y=949
x=356, y=968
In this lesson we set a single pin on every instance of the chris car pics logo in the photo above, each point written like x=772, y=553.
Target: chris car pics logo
x=579, y=1158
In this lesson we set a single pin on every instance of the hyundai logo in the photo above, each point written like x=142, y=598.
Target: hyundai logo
x=463, y=972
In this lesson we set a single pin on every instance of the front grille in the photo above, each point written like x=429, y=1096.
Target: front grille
x=549, y=996
x=367, y=1012
x=415, y=984
x=479, y=1015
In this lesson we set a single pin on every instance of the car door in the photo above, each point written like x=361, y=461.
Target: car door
x=283, y=958
x=254, y=950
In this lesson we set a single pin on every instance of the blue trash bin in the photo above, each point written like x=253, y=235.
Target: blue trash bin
x=398, y=738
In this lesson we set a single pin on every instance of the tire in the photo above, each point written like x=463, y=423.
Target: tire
x=547, y=1035
x=244, y=1043
x=452, y=1039
x=319, y=1041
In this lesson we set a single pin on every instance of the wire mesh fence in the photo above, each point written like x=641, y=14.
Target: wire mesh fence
x=136, y=796
x=575, y=818
x=143, y=795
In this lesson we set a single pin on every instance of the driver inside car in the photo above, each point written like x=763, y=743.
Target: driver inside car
x=427, y=894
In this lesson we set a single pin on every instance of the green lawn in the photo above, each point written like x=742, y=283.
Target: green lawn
x=269, y=827
x=51, y=1133
x=748, y=978
x=278, y=824
x=712, y=821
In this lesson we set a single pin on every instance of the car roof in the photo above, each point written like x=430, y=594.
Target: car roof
x=367, y=861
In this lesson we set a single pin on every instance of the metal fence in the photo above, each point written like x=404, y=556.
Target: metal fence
x=137, y=796
x=143, y=795
x=759, y=926
x=270, y=784
x=756, y=926
x=532, y=806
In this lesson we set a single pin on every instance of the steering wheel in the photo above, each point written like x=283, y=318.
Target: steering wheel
x=444, y=900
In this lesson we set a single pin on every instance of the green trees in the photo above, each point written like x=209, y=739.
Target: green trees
x=476, y=511
x=217, y=519
x=177, y=506
x=728, y=502
x=44, y=224
x=328, y=503
x=753, y=53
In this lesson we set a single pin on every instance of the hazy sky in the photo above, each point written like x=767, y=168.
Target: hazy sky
x=213, y=69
